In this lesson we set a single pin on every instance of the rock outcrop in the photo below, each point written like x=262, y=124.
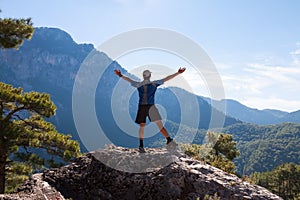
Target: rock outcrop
x=182, y=178
x=34, y=189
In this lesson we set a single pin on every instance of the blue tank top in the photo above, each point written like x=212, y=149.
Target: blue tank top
x=147, y=91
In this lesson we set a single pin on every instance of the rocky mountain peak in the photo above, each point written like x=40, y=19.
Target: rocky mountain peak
x=51, y=57
x=183, y=178
x=54, y=34
x=55, y=41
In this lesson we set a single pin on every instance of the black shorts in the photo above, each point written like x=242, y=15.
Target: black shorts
x=145, y=111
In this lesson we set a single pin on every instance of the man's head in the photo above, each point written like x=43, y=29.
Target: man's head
x=146, y=75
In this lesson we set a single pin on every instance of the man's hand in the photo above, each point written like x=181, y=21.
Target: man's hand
x=118, y=72
x=181, y=70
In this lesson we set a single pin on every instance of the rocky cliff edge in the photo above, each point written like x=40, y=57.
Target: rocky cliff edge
x=127, y=174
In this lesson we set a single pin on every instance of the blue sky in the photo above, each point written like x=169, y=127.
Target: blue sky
x=255, y=44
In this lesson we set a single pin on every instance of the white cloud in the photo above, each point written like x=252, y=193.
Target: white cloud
x=223, y=66
x=281, y=69
x=286, y=75
x=244, y=84
x=296, y=52
x=263, y=86
x=296, y=56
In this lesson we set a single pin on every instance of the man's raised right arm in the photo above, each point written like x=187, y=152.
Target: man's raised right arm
x=118, y=72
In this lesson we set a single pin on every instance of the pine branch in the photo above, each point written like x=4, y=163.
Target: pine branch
x=9, y=116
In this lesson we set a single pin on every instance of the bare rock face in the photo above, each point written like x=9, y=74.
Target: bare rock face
x=181, y=178
x=34, y=189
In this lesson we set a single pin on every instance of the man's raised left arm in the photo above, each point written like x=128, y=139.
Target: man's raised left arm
x=180, y=71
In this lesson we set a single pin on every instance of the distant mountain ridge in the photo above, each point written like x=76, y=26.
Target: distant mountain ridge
x=253, y=115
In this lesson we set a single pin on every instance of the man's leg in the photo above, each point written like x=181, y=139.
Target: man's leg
x=141, y=133
x=162, y=128
x=163, y=131
x=141, y=120
x=141, y=136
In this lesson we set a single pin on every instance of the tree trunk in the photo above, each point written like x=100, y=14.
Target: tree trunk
x=3, y=157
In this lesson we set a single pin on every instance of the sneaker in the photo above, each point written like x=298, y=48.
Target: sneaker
x=142, y=150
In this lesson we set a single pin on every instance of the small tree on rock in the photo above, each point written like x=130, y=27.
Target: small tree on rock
x=219, y=151
x=24, y=132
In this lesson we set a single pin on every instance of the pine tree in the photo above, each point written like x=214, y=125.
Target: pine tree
x=25, y=137
x=14, y=31
x=24, y=132
x=226, y=146
x=284, y=180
